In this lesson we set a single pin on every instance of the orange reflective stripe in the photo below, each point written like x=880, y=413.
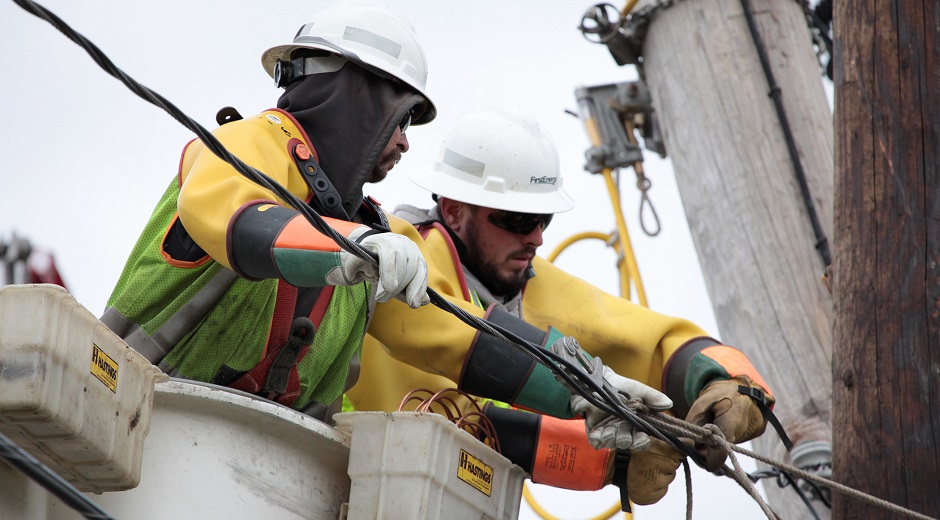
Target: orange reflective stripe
x=565, y=459
x=299, y=234
x=179, y=263
x=344, y=227
x=735, y=363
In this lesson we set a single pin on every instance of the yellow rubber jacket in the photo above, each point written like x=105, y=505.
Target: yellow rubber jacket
x=431, y=340
x=631, y=339
x=212, y=195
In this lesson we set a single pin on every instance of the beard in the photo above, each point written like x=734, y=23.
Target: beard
x=499, y=283
x=384, y=164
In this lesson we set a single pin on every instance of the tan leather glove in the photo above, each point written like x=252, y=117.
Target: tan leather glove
x=650, y=472
x=735, y=414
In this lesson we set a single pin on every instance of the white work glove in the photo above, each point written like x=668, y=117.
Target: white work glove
x=402, y=272
x=605, y=430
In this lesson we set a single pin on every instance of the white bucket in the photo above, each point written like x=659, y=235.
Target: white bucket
x=214, y=452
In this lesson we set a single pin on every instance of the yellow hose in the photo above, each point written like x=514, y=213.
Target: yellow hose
x=629, y=270
x=627, y=8
x=604, y=237
x=545, y=515
x=623, y=237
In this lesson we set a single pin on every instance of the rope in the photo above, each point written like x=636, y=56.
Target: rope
x=711, y=436
x=642, y=183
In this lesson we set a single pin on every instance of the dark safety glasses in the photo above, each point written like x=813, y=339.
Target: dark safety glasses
x=519, y=223
x=405, y=122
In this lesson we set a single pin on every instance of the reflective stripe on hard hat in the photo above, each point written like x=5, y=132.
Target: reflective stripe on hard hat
x=358, y=35
x=463, y=163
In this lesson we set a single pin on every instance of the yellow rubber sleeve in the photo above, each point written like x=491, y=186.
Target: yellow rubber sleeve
x=427, y=338
x=212, y=191
x=631, y=339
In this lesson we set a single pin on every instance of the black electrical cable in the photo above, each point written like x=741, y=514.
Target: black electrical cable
x=784, y=479
x=793, y=484
x=20, y=459
x=822, y=244
x=208, y=139
x=577, y=380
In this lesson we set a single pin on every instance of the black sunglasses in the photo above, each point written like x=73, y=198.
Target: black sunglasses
x=405, y=122
x=519, y=223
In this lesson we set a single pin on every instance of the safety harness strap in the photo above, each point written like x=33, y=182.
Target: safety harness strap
x=275, y=377
x=285, y=359
x=621, y=464
x=326, y=199
x=758, y=396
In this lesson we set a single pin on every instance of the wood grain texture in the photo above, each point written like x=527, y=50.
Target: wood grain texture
x=887, y=393
x=747, y=216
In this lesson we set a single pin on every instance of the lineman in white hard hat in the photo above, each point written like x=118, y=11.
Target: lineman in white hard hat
x=229, y=285
x=374, y=38
x=497, y=167
x=497, y=183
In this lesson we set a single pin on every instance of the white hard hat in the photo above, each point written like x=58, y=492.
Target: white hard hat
x=369, y=35
x=500, y=158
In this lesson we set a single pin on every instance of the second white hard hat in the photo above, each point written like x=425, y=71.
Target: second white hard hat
x=369, y=35
x=501, y=158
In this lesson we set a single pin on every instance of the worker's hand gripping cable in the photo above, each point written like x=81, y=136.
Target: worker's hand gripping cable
x=401, y=272
x=738, y=408
x=604, y=429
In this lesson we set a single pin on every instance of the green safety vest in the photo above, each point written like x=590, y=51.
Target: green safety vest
x=196, y=319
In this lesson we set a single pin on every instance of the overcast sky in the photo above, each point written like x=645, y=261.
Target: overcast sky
x=85, y=159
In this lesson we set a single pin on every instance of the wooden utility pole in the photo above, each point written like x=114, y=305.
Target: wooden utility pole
x=886, y=355
x=746, y=212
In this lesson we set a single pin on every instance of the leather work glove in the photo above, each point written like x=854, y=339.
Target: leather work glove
x=605, y=430
x=735, y=414
x=402, y=272
x=650, y=472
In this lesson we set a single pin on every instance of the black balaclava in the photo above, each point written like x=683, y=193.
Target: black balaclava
x=350, y=116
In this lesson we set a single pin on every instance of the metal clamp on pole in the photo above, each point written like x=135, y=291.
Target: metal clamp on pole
x=607, y=111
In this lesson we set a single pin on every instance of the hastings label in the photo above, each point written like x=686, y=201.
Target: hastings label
x=104, y=368
x=474, y=472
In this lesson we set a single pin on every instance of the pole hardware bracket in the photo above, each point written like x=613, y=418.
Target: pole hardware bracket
x=615, y=108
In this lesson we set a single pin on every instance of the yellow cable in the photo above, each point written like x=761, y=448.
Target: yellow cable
x=604, y=237
x=624, y=239
x=629, y=271
x=545, y=515
x=627, y=8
